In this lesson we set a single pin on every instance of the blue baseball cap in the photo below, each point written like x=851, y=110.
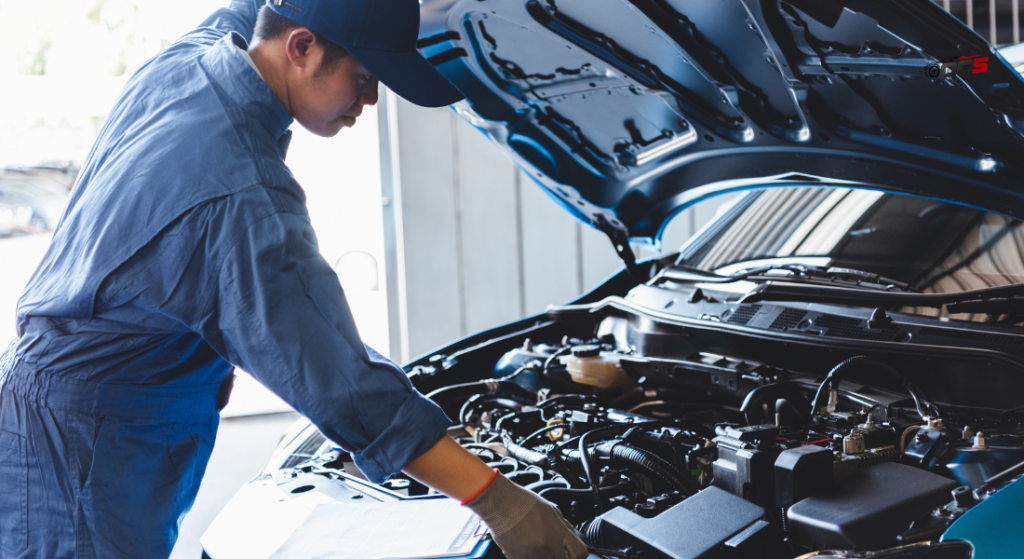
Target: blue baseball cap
x=382, y=35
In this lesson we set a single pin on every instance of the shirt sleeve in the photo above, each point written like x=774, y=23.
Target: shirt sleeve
x=280, y=314
x=239, y=16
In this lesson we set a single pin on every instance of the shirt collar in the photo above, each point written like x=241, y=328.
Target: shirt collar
x=244, y=85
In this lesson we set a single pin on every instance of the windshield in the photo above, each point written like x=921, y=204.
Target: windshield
x=935, y=247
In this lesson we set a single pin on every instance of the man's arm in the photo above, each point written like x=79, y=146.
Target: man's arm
x=450, y=469
x=281, y=315
x=239, y=16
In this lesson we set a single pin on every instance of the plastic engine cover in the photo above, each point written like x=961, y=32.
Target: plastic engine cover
x=869, y=509
x=698, y=528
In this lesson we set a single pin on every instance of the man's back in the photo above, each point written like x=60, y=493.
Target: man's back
x=176, y=138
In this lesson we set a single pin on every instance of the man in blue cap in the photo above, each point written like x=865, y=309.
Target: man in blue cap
x=186, y=250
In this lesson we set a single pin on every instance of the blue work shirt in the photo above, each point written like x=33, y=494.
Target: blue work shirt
x=185, y=249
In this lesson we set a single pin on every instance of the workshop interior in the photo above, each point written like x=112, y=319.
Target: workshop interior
x=717, y=279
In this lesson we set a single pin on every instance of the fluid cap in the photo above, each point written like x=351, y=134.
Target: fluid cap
x=586, y=351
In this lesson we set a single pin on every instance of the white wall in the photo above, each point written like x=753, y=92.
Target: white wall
x=471, y=241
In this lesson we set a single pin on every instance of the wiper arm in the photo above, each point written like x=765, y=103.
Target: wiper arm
x=840, y=276
x=814, y=293
x=991, y=305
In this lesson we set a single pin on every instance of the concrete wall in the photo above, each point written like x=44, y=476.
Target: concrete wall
x=471, y=241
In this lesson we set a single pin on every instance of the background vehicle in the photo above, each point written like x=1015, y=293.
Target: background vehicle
x=34, y=197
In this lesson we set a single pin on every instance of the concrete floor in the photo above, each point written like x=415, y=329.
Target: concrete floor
x=244, y=444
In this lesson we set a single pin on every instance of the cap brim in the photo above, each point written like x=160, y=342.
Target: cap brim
x=410, y=76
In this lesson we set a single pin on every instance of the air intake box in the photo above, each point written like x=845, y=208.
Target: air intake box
x=869, y=509
x=712, y=524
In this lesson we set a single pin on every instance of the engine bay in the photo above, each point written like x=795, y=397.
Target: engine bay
x=707, y=455
x=663, y=436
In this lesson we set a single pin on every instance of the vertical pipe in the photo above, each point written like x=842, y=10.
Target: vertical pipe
x=460, y=243
x=520, y=251
x=970, y=14
x=992, y=23
x=1016, y=21
x=945, y=5
x=394, y=234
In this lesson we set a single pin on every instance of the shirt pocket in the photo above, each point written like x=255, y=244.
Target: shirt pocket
x=13, y=493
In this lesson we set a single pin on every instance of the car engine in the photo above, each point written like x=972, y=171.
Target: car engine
x=714, y=456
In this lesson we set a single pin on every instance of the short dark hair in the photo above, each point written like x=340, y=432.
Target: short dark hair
x=270, y=25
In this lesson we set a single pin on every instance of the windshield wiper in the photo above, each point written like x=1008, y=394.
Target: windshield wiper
x=990, y=305
x=995, y=298
x=845, y=277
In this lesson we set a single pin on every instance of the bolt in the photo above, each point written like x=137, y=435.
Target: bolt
x=979, y=441
x=963, y=496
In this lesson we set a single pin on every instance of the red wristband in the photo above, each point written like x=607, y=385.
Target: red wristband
x=482, y=489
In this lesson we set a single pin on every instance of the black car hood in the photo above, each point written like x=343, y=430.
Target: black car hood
x=627, y=111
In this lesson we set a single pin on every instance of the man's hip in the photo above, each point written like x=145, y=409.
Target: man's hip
x=82, y=484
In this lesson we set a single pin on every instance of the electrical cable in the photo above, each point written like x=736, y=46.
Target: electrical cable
x=541, y=431
x=456, y=392
x=834, y=377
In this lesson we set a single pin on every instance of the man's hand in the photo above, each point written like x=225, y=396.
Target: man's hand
x=524, y=525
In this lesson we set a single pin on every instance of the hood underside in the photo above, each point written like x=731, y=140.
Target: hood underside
x=627, y=111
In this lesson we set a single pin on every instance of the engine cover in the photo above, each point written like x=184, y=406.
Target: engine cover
x=698, y=528
x=869, y=509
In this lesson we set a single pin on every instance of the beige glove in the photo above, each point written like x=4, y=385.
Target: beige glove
x=524, y=525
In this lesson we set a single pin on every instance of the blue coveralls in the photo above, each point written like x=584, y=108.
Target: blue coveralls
x=185, y=250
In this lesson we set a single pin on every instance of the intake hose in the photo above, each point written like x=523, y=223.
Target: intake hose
x=449, y=395
x=626, y=455
x=621, y=455
x=592, y=532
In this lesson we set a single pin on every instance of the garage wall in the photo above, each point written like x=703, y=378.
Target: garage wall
x=470, y=241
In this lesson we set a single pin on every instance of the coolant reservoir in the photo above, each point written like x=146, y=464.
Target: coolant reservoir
x=591, y=366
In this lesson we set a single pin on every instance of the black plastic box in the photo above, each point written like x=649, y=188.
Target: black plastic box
x=869, y=509
x=712, y=524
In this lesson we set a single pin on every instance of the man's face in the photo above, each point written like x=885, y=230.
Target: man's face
x=325, y=102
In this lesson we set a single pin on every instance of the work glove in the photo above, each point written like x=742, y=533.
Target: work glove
x=524, y=525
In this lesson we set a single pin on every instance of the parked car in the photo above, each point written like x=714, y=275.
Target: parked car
x=833, y=367
x=15, y=214
x=44, y=189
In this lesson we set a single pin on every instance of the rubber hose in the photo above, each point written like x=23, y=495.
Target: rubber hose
x=539, y=486
x=526, y=455
x=558, y=494
x=448, y=395
x=757, y=397
x=592, y=533
x=623, y=454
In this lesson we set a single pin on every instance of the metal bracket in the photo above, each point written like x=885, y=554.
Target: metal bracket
x=620, y=241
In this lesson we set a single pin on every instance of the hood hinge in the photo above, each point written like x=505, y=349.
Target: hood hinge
x=620, y=241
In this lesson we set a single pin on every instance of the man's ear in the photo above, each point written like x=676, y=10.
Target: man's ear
x=299, y=49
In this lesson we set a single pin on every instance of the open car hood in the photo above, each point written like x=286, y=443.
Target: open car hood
x=627, y=111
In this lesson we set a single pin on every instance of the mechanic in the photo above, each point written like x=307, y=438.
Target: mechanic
x=186, y=250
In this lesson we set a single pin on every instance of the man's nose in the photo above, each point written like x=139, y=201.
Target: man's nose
x=369, y=96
